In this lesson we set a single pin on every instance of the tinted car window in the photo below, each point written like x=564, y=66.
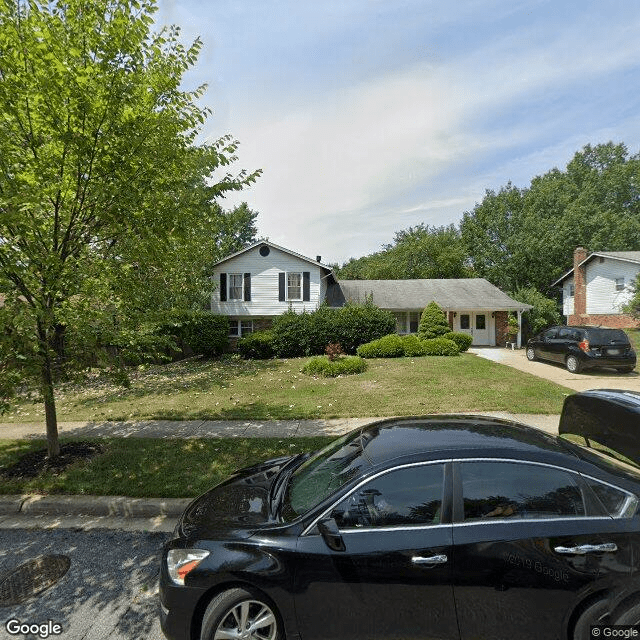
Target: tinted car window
x=515, y=490
x=550, y=334
x=607, y=336
x=617, y=503
x=569, y=334
x=409, y=496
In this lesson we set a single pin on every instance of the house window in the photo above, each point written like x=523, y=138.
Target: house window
x=464, y=321
x=401, y=323
x=235, y=286
x=294, y=286
x=572, y=290
x=619, y=284
x=414, y=321
x=239, y=328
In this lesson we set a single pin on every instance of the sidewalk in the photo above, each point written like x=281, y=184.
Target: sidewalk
x=161, y=514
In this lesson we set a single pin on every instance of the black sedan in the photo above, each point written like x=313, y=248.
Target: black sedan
x=448, y=527
x=579, y=348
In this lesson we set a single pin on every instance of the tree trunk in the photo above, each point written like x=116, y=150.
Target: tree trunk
x=53, y=446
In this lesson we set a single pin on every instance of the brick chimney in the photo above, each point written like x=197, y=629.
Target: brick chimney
x=579, y=281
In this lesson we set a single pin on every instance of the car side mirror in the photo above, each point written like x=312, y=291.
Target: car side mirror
x=331, y=534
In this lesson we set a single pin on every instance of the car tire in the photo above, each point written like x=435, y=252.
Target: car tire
x=531, y=354
x=630, y=615
x=590, y=616
x=573, y=364
x=235, y=606
x=625, y=369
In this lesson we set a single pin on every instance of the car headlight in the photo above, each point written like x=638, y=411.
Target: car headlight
x=181, y=561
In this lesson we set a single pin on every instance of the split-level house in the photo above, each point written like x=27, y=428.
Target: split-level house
x=265, y=280
x=598, y=287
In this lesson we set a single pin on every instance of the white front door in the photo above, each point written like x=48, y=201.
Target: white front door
x=476, y=324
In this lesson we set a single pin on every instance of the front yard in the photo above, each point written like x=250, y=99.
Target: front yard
x=232, y=388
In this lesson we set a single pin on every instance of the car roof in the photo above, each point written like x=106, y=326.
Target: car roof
x=453, y=435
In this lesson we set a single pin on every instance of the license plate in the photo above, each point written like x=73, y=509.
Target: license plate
x=613, y=352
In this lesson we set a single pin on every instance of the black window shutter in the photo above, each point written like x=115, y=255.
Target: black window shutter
x=247, y=287
x=281, y=287
x=306, y=286
x=223, y=287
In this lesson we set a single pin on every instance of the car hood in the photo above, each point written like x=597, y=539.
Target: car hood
x=610, y=417
x=236, y=507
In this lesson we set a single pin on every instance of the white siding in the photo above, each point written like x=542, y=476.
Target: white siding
x=567, y=298
x=264, y=284
x=602, y=296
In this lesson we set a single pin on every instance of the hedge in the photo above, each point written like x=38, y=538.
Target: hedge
x=433, y=323
x=321, y=365
x=463, y=340
x=440, y=347
x=257, y=345
x=389, y=346
x=308, y=333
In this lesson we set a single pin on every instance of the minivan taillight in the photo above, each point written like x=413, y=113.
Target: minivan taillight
x=584, y=345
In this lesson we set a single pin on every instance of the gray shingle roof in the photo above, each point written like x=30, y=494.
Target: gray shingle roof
x=463, y=293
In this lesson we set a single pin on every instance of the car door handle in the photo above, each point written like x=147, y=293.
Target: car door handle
x=430, y=561
x=580, y=550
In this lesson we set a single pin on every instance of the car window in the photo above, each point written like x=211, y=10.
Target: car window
x=515, y=490
x=607, y=336
x=406, y=496
x=550, y=334
x=617, y=503
x=568, y=334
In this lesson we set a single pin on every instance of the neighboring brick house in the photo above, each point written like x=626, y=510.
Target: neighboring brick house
x=265, y=280
x=595, y=291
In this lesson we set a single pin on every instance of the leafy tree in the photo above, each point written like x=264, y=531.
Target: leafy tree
x=416, y=252
x=433, y=322
x=544, y=313
x=98, y=164
x=525, y=237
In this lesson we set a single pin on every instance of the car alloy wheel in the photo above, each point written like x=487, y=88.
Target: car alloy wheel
x=573, y=364
x=531, y=353
x=237, y=614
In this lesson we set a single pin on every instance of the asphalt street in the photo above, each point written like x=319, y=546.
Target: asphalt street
x=109, y=591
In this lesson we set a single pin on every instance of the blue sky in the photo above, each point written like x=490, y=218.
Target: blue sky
x=369, y=116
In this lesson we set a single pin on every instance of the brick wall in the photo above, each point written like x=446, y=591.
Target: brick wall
x=502, y=322
x=579, y=280
x=612, y=321
x=451, y=320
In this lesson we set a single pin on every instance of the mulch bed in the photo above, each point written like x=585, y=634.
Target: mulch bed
x=34, y=463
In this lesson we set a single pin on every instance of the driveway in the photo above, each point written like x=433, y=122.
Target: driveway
x=594, y=379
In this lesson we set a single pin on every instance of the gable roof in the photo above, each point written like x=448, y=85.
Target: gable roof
x=624, y=256
x=461, y=293
x=273, y=246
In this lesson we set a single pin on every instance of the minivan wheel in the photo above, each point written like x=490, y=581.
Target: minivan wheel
x=573, y=364
x=239, y=613
x=592, y=615
x=531, y=354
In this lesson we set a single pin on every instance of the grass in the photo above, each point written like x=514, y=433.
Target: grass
x=277, y=389
x=634, y=337
x=146, y=467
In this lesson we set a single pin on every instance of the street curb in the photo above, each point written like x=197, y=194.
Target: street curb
x=110, y=506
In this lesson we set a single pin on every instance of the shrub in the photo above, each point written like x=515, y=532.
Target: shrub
x=257, y=345
x=321, y=365
x=413, y=346
x=433, y=322
x=333, y=351
x=440, y=347
x=390, y=346
x=303, y=334
x=463, y=340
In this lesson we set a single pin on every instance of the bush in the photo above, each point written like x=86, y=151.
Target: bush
x=545, y=311
x=390, y=346
x=413, y=346
x=463, y=340
x=433, y=322
x=303, y=334
x=321, y=365
x=440, y=347
x=257, y=345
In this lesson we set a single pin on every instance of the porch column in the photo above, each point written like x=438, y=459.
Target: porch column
x=519, y=329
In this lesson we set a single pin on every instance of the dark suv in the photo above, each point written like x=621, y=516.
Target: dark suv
x=581, y=348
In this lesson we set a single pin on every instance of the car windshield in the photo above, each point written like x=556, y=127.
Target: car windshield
x=323, y=474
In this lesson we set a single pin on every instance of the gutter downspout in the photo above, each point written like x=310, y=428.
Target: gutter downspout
x=519, y=338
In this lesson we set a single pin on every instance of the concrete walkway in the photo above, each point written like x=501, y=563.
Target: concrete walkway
x=594, y=379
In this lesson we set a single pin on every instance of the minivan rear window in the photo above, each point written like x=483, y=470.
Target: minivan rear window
x=607, y=336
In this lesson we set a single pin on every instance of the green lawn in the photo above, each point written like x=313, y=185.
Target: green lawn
x=276, y=389
x=146, y=467
x=634, y=337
